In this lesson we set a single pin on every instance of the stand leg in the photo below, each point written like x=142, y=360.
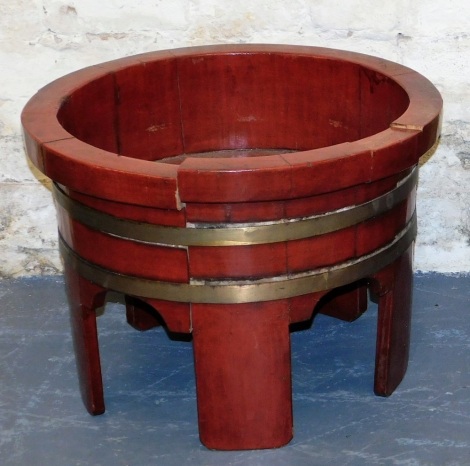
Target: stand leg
x=346, y=302
x=394, y=322
x=140, y=315
x=84, y=298
x=243, y=375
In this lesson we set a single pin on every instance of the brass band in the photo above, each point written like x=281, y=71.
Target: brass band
x=205, y=234
x=230, y=292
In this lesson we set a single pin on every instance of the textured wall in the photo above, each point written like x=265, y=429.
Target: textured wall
x=43, y=39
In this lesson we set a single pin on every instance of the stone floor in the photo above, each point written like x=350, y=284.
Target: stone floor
x=151, y=406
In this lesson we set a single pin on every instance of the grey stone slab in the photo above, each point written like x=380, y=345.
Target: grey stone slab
x=151, y=416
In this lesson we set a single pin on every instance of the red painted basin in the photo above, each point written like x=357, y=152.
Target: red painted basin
x=248, y=179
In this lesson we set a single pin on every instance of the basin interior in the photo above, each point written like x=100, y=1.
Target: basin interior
x=231, y=104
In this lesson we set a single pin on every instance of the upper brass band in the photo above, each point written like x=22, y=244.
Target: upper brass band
x=230, y=292
x=237, y=234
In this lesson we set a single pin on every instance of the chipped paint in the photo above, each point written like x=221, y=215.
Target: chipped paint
x=155, y=128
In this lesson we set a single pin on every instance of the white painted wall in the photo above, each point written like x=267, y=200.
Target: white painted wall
x=41, y=40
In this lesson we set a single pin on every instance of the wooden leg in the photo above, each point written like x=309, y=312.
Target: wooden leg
x=84, y=298
x=140, y=315
x=394, y=322
x=243, y=375
x=346, y=302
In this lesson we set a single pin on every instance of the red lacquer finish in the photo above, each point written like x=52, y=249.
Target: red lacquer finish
x=251, y=383
x=232, y=191
x=84, y=298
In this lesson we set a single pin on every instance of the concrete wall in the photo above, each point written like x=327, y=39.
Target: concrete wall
x=44, y=39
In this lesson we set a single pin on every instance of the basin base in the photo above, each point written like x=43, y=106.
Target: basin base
x=242, y=351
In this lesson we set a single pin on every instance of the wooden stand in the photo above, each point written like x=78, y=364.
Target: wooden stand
x=242, y=354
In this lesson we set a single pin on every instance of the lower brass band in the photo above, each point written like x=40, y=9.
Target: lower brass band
x=230, y=292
